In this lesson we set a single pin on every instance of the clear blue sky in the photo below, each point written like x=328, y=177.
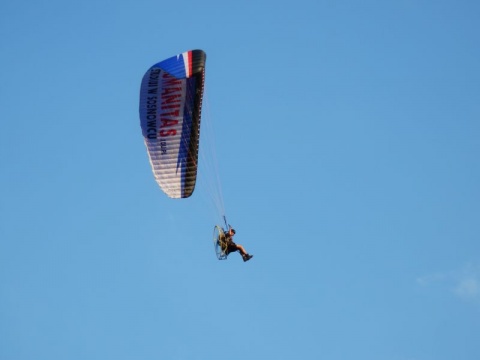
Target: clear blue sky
x=348, y=148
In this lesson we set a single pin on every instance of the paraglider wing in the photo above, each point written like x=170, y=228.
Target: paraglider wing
x=170, y=108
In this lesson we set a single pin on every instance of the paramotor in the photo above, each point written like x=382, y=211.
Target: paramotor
x=219, y=243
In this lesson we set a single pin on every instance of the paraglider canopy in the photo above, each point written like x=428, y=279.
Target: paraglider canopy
x=170, y=109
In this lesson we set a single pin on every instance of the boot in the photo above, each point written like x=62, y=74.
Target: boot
x=247, y=257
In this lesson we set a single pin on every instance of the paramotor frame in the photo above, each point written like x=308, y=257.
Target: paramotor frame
x=219, y=243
